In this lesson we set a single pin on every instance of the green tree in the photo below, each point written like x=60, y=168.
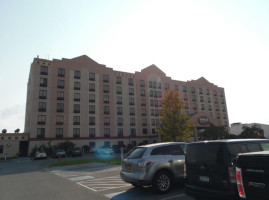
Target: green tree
x=214, y=132
x=175, y=124
x=255, y=131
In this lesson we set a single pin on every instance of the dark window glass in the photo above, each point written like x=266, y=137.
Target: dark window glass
x=92, y=76
x=44, y=70
x=61, y=72
x=60, y=95
x=43, y=82
x=136, y=153
x=42, y=106
x=59, y=132
x=76, y=132
x=40, y=133
x=60, y=107
x=77, y=74
x=42, y=94
x=76, y=85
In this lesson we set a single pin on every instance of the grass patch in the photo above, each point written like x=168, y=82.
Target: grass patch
x=114, y=161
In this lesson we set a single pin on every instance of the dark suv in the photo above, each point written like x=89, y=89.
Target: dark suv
x=252, y=174
x=210, y=167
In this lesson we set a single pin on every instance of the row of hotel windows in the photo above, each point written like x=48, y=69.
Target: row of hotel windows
x=152, y=84
x=76, y=132
x=76, y=121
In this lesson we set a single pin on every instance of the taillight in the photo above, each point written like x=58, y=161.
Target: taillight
x=240, y=184
x=232, y=174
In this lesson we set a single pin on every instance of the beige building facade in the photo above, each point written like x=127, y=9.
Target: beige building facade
x=88, y=103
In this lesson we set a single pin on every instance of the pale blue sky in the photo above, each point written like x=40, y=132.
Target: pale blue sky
x=227, y=42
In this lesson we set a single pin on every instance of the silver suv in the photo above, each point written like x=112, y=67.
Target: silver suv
x=158, y=164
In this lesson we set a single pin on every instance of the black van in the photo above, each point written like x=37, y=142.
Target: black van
x=252, y=174
x=210, y=167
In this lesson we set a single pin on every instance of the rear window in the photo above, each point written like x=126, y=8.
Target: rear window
x=265, y=146
x=136, y=153
x=205, y=154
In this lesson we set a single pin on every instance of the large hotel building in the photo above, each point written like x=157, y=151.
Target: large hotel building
x=87, y=103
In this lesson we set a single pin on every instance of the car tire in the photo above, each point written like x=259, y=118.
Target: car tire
x=162, y=182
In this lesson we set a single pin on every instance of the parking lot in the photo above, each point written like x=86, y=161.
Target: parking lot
x=105, y=179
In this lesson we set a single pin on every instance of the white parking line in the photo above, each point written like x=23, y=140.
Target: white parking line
x=80, y=178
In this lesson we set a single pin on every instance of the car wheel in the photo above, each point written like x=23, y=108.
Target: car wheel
x=162, y=182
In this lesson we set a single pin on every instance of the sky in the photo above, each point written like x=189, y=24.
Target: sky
x=224, y=41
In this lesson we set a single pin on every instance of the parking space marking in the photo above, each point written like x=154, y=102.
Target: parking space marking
x=80, y=178
x=102, y=184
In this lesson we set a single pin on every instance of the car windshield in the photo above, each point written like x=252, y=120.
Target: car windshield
x=136, y=153
x=184, y=147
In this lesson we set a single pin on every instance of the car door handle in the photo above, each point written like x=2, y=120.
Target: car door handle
x=170, y=160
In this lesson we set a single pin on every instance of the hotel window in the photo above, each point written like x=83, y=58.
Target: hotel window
x=60, y=107
x=223, y=109
x=152, y=122
x=209, y=107
x=143, y=102
x=120, y=132
x=155, y=94
x=60, y=95
x=166, y=86
x=185, y=97
x=76, y=132
x=142, y=92
x=215, y=93
x=76, y=120
x=105, y=88
x=211, y=114
x=42, y=106
x=152, y=112
x=144, y=121
x=61, y=72
x=207, y=91
x=144, y=112
x=131, y=101
x=145, y=131
x=76, y=96
x=132, y=111
x=59, y=120
x=194, y=106
x=76, y=108
x=160, y=94
x=216, y=100
x=106, y=99
x=209, y=99
x=91, y=87
x=119, y=110
x=156, y=112
x=91, y=120
x=130, y=81
x=157, y=122
x=76, y=85
x=91, y=76
x=106, y=109
x=150, y=84
x=77, y=74
x=40, y=133
x=222, y=101
x=107, y=132
x=224, y=116
x=120, y=121
x=131, y=91
x=43, y=82
x=44, y=70
x=200, y=90
x=156, y=103
x=217, y=108
x=202, y=106
x=133, y=132
x=91, y=132
x=154, y=84
x=192, y=90
x=185, y=88
x=118, y=79
x=222, y=93
x=151, y=102
x=41, y=119
x=132, y=121
x=59, y=132
x=118, y=90
x=106, y=78
x=193, y=98
x=142, y=83
x=159, y=85
x=201, y=99
x=42, y=94
x=92, y=109
x=119, y=100
x=218, y=116
x=106, y=121
x=151, y=93
x=91, y=97
x=60, y=84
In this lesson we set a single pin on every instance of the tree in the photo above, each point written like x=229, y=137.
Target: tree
x=214, y=132
x=255, y=131
x=175, y=124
